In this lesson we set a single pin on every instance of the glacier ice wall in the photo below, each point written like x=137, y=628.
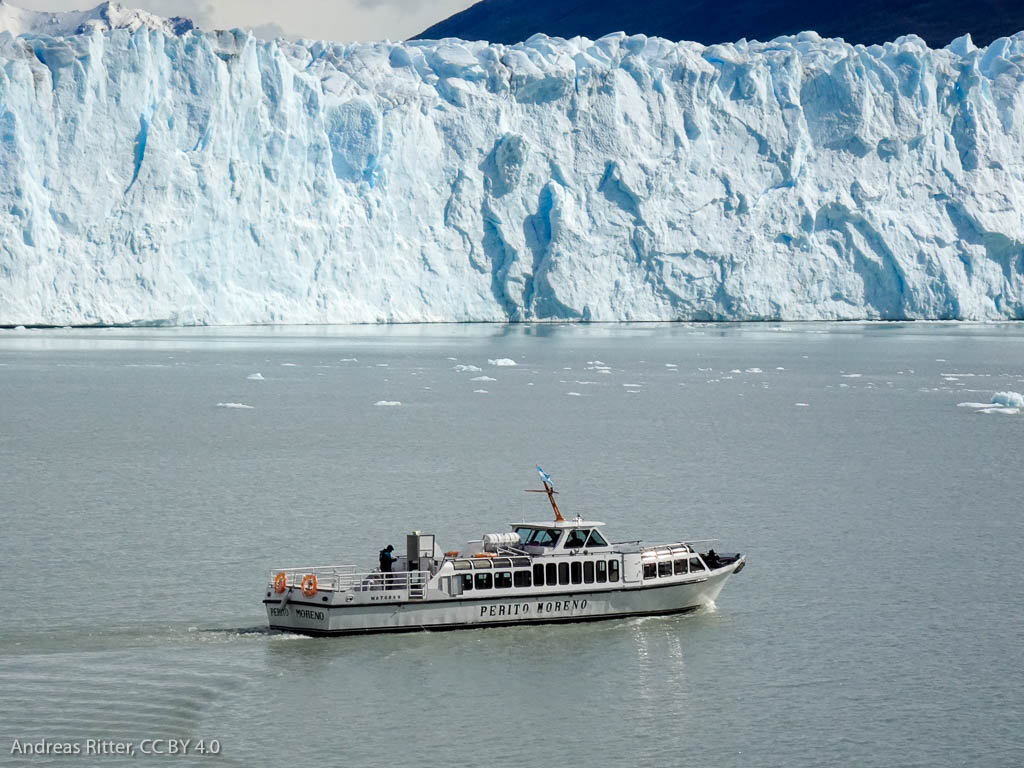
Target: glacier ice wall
x=215, y=178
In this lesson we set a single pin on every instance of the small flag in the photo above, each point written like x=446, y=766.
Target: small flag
x=544, y=475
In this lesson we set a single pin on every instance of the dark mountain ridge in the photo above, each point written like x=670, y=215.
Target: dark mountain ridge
x=714, y=21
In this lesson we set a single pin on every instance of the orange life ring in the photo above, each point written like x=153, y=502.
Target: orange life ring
x=309, y=584
x=280, y=582
x=485, y=554
x=452, y=553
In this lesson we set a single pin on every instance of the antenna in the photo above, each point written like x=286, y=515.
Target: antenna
x=550, y=491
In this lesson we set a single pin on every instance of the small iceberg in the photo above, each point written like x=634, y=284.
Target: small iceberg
x=255, y=377
x=483, y=378
x=1009, y=403
x=466, y=368
x=389, y=403
x=242, y=406
x=502, y=362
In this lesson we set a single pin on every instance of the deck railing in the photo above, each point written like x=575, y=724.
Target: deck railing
x=345, y=578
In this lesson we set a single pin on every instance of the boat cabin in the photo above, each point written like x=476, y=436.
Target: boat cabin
x=546, y=537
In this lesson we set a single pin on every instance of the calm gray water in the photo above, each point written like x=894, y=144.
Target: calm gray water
x=879, y=621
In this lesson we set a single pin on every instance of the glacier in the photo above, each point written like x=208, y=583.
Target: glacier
x=160, y=175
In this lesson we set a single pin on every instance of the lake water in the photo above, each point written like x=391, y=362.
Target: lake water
x=879, y=621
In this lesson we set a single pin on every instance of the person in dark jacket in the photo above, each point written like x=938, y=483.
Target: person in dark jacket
x=387, y=558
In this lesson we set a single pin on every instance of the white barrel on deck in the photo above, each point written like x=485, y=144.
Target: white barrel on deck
x=494, y=540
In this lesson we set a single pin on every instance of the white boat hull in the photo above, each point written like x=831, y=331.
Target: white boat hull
x=330, y=614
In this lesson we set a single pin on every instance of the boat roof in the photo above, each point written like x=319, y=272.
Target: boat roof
x=577, y=523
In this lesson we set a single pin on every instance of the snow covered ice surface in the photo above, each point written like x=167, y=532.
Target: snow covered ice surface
x=106, y=16
x=158, y=175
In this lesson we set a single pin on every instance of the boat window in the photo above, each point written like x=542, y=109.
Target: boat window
x=467, y=581
x=577, y=572
x=551, y=574
x=576, y=538
x=588, y=572
x=602, y=571
x=482, y=562
x=463, y=565
x=522, y=578
x=613, y=570
x=538, y=574
x=563, y=573
x=650, y=570
x=680, y=566
x=665, y=568
x=696, y=565
x=596, y=540
x=538, y=537
x=502, y=562
x=521, y=562
x=483, y=580
x=502, y=580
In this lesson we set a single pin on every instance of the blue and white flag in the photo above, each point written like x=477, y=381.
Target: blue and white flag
x=544, y=475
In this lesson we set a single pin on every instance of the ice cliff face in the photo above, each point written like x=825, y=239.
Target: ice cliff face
x=213, y=178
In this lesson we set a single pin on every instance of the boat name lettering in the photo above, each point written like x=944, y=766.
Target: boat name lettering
x=278, y=611
x=522, y=609
x=307, y=614
x=395, y=596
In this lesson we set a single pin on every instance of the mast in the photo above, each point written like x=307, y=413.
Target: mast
x=550, y=491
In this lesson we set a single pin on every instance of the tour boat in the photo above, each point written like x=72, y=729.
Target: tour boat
x=542, y=572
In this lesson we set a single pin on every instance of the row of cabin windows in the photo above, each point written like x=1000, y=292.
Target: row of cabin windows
x=551, y=574
x=669, y=568
x=548, y=537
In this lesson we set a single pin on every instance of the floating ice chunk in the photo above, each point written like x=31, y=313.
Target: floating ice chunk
x=389, y=403
x=466, y=368
x=1009, y=399
x=754, y=370
x=453, y=359
x=19, y=327
x=502, y=362
x=851, y=375
x=940, y=359
x=671, y=365
x=632, y=385
x=348, y=360
x=479, y=391
x=574, y=394
x=802, y=405
x=255, y=377
x=381, y=365
x=482, y=378
x=779, y=368
x=735, y=370
x=704, y=370
x=288, y=365
x=242, y=406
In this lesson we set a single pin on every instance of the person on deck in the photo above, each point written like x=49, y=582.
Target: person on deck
x=387, y=558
